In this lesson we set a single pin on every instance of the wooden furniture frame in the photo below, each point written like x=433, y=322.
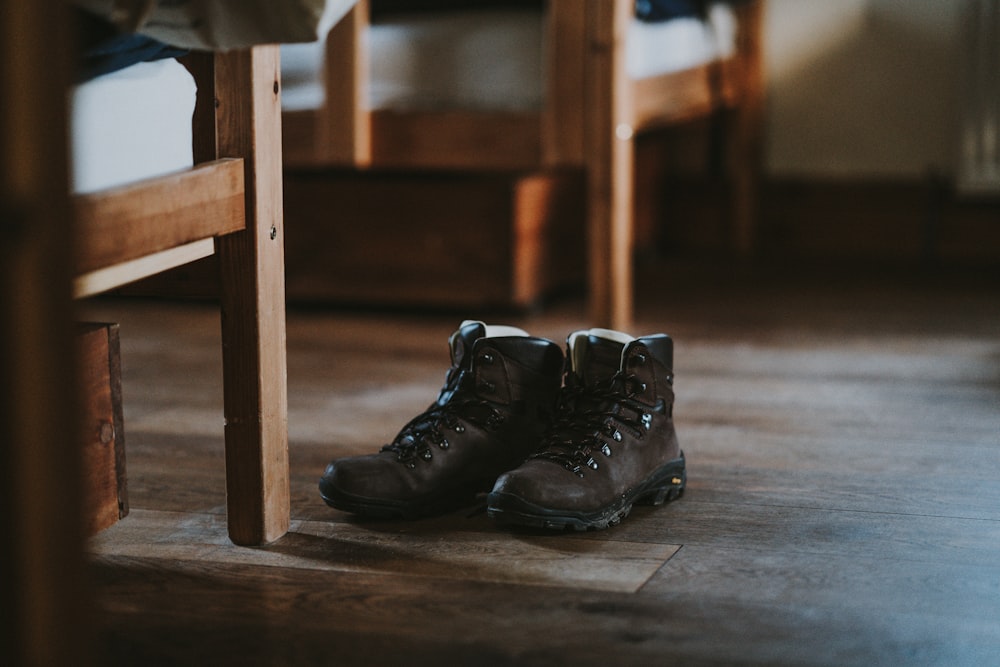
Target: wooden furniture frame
x=41, y=561
x=591, y=115
x=106, y=239
x=229, y=203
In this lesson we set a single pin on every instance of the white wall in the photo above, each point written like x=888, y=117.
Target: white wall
x=862, y=88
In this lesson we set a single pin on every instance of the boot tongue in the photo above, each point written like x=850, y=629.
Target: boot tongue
x=596, y=355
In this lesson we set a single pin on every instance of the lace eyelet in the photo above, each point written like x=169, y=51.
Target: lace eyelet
x=617, y=436
x=605, y=449
x=487, y=386
x=487, y=358
x=647, y=420
x=459, y=428
x=426, y=455
x=444, y=444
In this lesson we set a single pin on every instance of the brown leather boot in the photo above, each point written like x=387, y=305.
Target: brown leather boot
x=497, y=398
x=612, y=443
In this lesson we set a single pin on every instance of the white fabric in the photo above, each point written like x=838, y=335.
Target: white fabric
x=490, y=60
x=302, y=76
x=502, y=331
x=131, y=124
x=679, y=44
x=223, y=24
x=467, y=60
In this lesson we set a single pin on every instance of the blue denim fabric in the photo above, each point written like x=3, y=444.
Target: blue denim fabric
x=664, y=10
x=104, y=50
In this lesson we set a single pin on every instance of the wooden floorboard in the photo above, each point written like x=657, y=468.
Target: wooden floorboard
x=465, y=547
x=842, y=433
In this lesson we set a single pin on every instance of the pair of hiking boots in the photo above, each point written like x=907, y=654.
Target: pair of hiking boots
x=558, y=441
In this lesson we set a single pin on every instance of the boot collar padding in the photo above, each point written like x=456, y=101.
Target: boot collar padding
x=608, y=334
x=465, y=337
x=496, y=330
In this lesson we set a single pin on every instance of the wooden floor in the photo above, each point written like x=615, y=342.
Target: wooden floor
x=842, y=434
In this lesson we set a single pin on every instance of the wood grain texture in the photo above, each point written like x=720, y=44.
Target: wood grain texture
x=841, y=431
x=204, y=134
x=456, y=139
x=338, y=132
x=439, y=240
x=135, y=220
x=155, y=264
x=411, y=621
x=744, y=91
x=103, y=428
x=473, y=551
x=252, y=277
x=609, y=153
x=345, y=115
x=300, y=146
x=562, y=120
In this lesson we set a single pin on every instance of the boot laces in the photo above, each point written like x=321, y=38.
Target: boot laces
x=456, y=403
x=590, y=420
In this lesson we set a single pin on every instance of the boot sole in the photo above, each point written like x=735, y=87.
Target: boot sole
x=379, y=508
x=665, y=484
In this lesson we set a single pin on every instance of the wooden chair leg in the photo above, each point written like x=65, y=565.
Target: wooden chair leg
x=609, y=162
x=745, y=159
x=253, y=301
x=744, y=183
